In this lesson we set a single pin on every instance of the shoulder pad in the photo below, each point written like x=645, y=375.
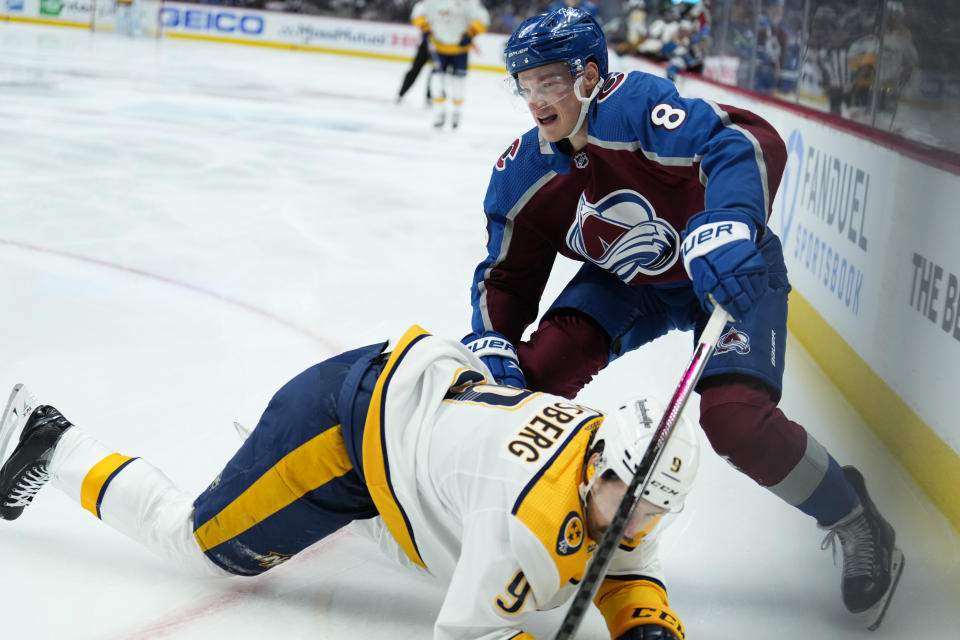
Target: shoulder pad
x=636, y=87
x=517, y=169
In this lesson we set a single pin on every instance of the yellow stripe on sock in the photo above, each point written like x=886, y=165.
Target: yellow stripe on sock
x=309, y=466
x=94, y=483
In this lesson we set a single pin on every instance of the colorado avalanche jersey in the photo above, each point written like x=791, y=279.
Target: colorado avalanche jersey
x=477, y=483
x=653, y=160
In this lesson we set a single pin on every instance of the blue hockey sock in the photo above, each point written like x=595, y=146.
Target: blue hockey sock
x=833, y=498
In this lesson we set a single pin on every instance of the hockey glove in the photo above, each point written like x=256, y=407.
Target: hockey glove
x=466, y=40
x=638, y=610
x=722, y=259
x=649, y=632
x=499, y=355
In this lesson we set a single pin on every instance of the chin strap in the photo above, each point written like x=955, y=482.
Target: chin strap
x=584, y=102
x=594, y=471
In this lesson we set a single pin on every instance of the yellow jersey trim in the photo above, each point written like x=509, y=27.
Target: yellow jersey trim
x=309, y=466
x=449, y=49
x=476, y=28
x=421, y=23
x=551, y=502
x=376, y=465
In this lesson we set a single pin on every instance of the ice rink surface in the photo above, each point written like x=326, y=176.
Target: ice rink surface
x=184, y=226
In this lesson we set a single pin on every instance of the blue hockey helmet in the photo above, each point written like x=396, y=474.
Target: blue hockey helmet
x=566, y=34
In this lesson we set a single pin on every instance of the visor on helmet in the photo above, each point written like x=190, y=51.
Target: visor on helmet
x=541, y=88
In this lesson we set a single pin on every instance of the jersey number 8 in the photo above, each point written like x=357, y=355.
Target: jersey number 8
x=663, y=115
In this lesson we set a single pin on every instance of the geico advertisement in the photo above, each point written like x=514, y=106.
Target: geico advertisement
x=212, y=20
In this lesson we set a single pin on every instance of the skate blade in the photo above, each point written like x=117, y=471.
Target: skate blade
x=242, y=431
x=19, y=407
x=873, y=616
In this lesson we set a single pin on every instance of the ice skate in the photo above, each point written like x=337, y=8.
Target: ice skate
x=25, y=471
x=455, y=119
x=872, y=564
x=441, y=118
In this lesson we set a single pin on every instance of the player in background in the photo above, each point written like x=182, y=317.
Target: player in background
x=665, y=200
x=419, y=59
x=501, y=492
x=451, y=26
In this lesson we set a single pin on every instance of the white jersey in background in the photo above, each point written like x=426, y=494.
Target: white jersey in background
x=449, y=20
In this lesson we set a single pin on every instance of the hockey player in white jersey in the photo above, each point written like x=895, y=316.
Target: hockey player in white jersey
x=451, y=26
x=501, y=492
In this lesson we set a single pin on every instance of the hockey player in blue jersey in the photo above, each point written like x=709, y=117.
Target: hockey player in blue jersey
x=665, y=200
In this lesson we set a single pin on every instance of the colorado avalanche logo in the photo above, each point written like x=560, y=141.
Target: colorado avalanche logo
x=733, y=341
x=509, y=154
x=623, y=235
x=571, y=534
x=610, y=85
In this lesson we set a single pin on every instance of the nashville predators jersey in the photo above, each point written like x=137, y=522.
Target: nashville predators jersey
x=478, y=485
x=447, y=21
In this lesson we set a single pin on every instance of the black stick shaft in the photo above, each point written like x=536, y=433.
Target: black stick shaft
x=604, y=554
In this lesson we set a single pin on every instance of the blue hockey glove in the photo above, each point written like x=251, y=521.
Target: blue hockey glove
x=466, y=40
x=648, y=632
x=722, y=259
x=499, y=355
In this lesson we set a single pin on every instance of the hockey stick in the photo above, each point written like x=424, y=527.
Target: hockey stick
x=638, y=484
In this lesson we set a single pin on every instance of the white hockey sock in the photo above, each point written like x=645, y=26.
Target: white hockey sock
x=132, y=496
x=438, y=87
x=456, y=84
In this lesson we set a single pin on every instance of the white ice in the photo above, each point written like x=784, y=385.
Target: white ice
x=184, y=226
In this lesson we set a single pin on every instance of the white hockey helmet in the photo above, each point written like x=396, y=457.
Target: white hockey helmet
x=626, y=433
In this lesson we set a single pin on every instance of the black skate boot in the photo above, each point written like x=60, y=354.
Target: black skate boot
x=871, y=562
x=25, y=472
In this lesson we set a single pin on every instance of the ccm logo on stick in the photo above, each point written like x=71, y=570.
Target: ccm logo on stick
x=220, y=21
